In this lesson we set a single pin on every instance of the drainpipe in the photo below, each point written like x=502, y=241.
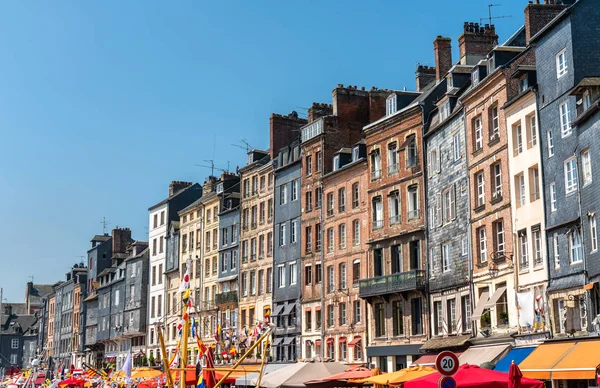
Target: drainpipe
x=321, y=218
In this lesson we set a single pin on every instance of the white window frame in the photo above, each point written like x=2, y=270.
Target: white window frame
x=550, y=140
x=478, y=133
x=14, y=343
x=556, y=250
x=523, y=250
x=522, y=192
x=553, y=206
x=281, y=275
x=293, y=273
x=480, y=177
x=519, y=139
x=495, y=123
x=565, y=122
x=482, y=245
x=464, y=243
x=446, y=249
x=294, y=190
x=282, y=234
x=570, y=167
x=532, y=131
x=456, y=146
x=294, y=232
x=575, y=248
x=593, y=233
x=497, y=179
x=586, y=166
x=586, y=99
x=561, y=63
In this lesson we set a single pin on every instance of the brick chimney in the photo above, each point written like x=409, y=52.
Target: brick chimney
x=538, y=15
x=443, y=56
x=121, y=238
x=283, y=131
x=424, y=75
x=377, y=101
x=350, y=105
x=475, y=42
x=318, y=110
x=177, y=186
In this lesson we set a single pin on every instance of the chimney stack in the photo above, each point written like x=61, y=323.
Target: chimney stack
x=538, y=15
x=424, y=75
x=318, y=110
x=443, y=56
x=476, y=42
x=121, y=238
x=177, y=186
x=283, y=131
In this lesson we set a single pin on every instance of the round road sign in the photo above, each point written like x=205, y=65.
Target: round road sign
x=446, y=363
x=447, y=382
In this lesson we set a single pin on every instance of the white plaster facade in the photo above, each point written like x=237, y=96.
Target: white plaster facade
x=157, y=227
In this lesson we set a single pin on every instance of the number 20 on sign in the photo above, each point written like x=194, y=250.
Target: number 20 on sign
x=446, y=363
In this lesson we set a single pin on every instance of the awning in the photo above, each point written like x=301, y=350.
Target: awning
x=289, y=308
x=483, y=299
x=517, y=355
x=477, y=355
x=318, y=342
x=355, y=341
x=226, y=279
x=393, y=350
x=289, y=340
x=318, y=308
x=307, y=309
x=540, y=362
x=429, y=359
x=495, y=297
x=329, y=340
x=342, y=340
x=580, y=363
x=277, y=341
x=277, y=311
x=439, y=343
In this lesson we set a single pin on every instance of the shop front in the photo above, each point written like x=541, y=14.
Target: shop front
x=393, y=357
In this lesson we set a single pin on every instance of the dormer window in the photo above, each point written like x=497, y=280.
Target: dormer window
x=355, y=154
x=450, y=81
x=587, y=100
x=391, y=104
x=445, y=111
x=336, y=163
x=491, y=64
x=475, y=76
x=523, y=84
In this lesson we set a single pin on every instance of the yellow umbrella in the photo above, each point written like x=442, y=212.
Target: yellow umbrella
x=398, y=377
x=145, y=373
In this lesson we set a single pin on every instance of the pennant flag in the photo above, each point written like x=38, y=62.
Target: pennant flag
x=199, y=377
x=233, y=351
x=185, y=284
x=201, y=347
x=186, y=296
x=175, y=360
x=219, y=328
x=194, y=327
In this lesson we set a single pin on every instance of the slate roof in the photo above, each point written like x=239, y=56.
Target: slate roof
x=445, y=342
x=564, y=283
x=38, y=291
x=194, y=186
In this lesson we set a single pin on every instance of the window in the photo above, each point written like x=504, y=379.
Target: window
x=342, y=313
x=308, y=242
x=318, y=237
x=253, y=283
x=342, y=200
x=570, y=175
x=269, y=279
x=318, y=273
x=283, y=194
x=318, y=319
x=377, y=213
x=556, y=251
x=532, y=131
x=451, y=311
x=496, y=181
x=294, y=232
x=342, y=235
x=392, y=159
x=13, y=358
x=319, y=197
x=281, y=276
x=398, y=318
x=342, y=272
x=593, y=233
x=499, y=242
x=416, y=312
x=478, y=135
x=330, y=204
x=375, y=165
x=523, y=249
x=449, y=204
x=464, y=243
x=356, y=232
x=308, y=200
x=153, y=275
x=357, y=312
x=565, y=123
x=156, y=221
x=394, y=207
x=553, y=196
x=561, y=63
x=495, y=123
x=433, y=161
x=308, y=165
x=391, y=105
x=330, y=316
x=330, y=279
x=270, y=244
x=294, y=190
x=534, y=183
x=355, y=273
x=159, y=304
x=537, y=246
x=575, y=253
x=413, y=202
x=466, y=312
x=480, y=179
x=14, y=343
x=550, y=143
x=160, y=274
x=446, y=257
x=522, y=193
x=293, y=273
x=330, y=240
x=319, y=161
x=355, y=196
x=379, y=317
x=270, y=209
x=308, y=320
x=475, y=77
x=445, y=111
x=244, y=284
x=261, y=246
x=456, y=146
x=586, y=166
x=482, y=245
x=154, y=247
x=308, y=275
x=411, y=152
x=438, y=318
x=518, y=135
x=282, y=234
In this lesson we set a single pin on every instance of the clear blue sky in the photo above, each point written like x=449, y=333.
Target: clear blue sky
x=103, y=103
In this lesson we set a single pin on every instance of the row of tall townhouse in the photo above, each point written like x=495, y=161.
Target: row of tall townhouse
x=391, y=224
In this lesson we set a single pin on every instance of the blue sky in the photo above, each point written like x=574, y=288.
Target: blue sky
x=103, y=103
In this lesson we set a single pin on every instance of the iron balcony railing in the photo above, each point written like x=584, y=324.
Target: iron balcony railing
x=226, y=297
x=389, y=284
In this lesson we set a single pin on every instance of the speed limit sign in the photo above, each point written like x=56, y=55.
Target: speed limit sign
x=446, y=363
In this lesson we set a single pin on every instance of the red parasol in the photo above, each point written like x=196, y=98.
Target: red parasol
x=514, y=376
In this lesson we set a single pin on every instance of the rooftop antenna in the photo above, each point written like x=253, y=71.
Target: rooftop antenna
x=211, y=166
x=490, y=17
x=31, y=277
x=246, y=146
x=104, y=223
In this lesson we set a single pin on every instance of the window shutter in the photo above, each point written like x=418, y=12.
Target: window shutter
x=429, y=161
x=439, y=160
x=438, y=210
x=453, y=201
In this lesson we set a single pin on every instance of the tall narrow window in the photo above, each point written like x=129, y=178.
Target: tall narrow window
x=330, y=240
x=497, y=181
x=593, y=233
x=550, y=143
x=330, y=279
x=342, y=274
x=518, y=131
x=495, y=123
x=478, y=135
x=451, y=312
x=553, y=196
x=586, y=166
x=375, y=165
x=308, y=165
x=523, y=249
x=499, y=241
x=396, y=251
x=394, y=207
x=342, y=200
x=570, y=175
x=319, y=161
x=398, y=318
x=446, y=257
x=480, y=179
x=438, y=318
x=356, y=232
x=456, y=146
x=411, y=152
x=565, y=123
x=532, y=131
x=537, y=246
x=355, y=195
x=575, y=253
x=377, y=213
x=392, y=159
x=330, y=204
x=342, y=235
x=482, y=245
x=556, y=251
x=522, y=193
x=413, y=202
x=561, y=63
x=534, y=183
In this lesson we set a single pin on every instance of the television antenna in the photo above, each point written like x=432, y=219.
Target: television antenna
x=104, y=223
x=211, y=165
x=490, y=17
x=246, y=146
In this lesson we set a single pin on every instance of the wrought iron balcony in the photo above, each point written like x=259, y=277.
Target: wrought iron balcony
x=390, y=284
x=226, y=297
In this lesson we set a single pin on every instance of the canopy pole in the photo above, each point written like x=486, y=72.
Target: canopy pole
x=166, y=357
x=262, y=364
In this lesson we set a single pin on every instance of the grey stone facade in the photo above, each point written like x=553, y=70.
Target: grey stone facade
x=287, y=300
x=567, y=219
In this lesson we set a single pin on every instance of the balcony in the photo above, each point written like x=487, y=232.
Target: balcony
x=375, y=174
x=226, y=297
x=393, y=169
x=253, y=225
x=392, y=284
x=377, y=224
x=414, y=214
x=395, y=219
